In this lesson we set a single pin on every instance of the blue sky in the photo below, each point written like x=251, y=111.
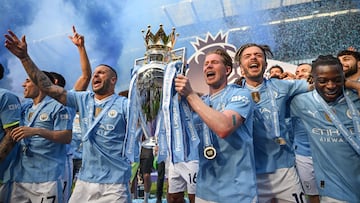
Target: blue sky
x=112, y=31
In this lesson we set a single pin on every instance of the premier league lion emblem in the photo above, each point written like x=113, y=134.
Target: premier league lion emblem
x=202, y=46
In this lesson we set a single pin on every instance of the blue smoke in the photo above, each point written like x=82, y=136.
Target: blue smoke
x=112, y=30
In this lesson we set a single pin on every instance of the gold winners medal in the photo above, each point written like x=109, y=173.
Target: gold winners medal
x=327, y=117
x=30, y=115
x=280, y=141
x=97, y=111
x=209, y=152
x=255, y=96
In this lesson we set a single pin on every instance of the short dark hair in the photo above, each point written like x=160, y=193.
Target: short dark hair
x=111, y=68
x=300, y=64
x=276, y=66
x=60, y=79
x=325, y=60
x=49, y=75
x=264, y=48
x=1, y=71
x=355, y=54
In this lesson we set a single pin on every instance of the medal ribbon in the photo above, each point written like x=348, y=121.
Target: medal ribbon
x=131, y=141
x=274, y=109
x=207, y=132
x=161, y=139
x=192, y=139
x=171, y=112
x=98, y=117
x=177, y=131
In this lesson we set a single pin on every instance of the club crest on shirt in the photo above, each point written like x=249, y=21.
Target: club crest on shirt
x=348, y=114
x=44, y=117
x=112, y=113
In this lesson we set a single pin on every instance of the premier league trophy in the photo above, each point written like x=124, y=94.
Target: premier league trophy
x=147, y=85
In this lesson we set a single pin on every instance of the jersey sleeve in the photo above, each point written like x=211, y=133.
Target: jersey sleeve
x=240, y=102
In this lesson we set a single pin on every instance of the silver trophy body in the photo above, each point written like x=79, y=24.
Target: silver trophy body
x=149, y=95
x=150, y=77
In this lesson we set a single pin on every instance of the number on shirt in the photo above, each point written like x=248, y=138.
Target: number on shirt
x=192, y=180
x=299, y=198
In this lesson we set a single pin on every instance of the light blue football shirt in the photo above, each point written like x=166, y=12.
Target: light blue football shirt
x=42, y=160
x=76, y=143
x=269, y=155
x=301, y=138
x=230, y=176
x=10, y=112
x=336, y=163
x=102, y=157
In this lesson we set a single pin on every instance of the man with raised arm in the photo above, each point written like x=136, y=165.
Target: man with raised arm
x=105, y=172
x=74, y=149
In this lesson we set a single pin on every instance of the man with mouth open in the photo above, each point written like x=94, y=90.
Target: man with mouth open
x=105, y=172
x=223, y=120
x=274, y=157
x=331, y=117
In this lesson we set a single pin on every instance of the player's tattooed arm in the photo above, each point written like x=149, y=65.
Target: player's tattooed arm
x=43, y=82
x=7, y=143
x=18, y=47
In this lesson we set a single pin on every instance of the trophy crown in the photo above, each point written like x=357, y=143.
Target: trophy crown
x=159, y=47
x=159, y=40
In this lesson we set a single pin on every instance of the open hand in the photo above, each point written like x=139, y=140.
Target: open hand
x=15, y=46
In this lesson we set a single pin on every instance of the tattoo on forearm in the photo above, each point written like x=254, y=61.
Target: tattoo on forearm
x=44, y=81
x=41, y=80
x=36, y=75
x=234, y=120
x=6, y=146
x=58, y=93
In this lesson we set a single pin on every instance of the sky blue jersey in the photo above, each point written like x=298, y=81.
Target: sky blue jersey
x=230, y=176
x=40, y=159
x=10, y=112
x=336, y=163
x=269, y=155
x=76, y=143
x=103, y=137
x=301, y=138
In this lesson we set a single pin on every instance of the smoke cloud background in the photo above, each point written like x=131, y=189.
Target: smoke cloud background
x=112, y=30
